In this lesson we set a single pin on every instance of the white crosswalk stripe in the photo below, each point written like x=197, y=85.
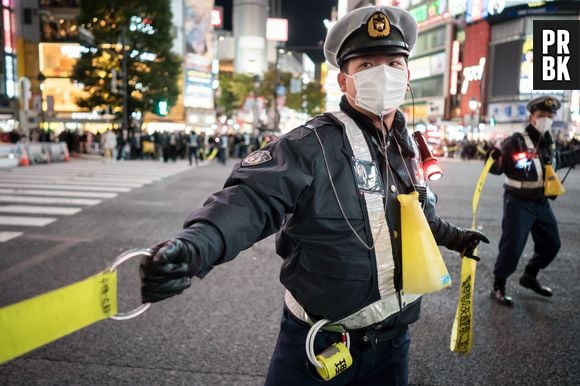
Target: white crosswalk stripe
x=5, y=236
x=48, y=180
x=49, y=200
x=26, y=221
x=91, y=188
x=60, y=193
x=30, y=209
x=36, y=196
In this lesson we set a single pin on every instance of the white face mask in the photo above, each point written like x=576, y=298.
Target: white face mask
x=544, y=124
x=379, y=90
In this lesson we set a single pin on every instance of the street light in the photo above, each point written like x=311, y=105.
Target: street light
x=276, y=88
x=41, y=78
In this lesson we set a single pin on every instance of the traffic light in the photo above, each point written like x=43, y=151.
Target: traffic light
x=161, y=107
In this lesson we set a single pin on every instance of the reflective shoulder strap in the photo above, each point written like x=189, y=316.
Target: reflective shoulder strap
x=538, y=166
x=389, y=302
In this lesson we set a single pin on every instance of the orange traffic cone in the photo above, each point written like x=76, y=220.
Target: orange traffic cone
x=24, y=161
x=66, y=154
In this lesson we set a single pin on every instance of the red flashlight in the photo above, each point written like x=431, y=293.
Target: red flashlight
x=431, y=167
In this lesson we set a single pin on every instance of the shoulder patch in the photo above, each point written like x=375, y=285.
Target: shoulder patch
x=257, y=158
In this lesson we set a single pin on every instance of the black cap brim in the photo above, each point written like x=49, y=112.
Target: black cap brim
x=378, y=50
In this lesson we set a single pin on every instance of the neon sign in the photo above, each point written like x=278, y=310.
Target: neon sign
x=455, y=67
x=472, y=73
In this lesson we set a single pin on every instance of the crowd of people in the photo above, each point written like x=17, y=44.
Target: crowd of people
x=471, y=149
x=165, y=146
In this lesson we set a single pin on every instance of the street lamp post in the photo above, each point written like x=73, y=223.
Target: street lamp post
x=276, y=83
x=125, y=82
x=41, y=78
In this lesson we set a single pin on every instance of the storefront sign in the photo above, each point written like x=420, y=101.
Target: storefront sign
x=455, y=67
x=472, y=73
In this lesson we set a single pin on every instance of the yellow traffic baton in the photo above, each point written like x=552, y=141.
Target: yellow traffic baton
x=35, y=322
x=462, y=330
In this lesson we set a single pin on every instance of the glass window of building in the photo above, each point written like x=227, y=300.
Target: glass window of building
x=430, y=41
x=53, y=29
x=59, y=3
x=427, y=87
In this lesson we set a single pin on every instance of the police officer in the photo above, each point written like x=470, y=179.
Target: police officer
x=523, y=159
x=329, y=188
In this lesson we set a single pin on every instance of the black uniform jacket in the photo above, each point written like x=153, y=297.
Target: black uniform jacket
x=523, y=169
x=326, y=268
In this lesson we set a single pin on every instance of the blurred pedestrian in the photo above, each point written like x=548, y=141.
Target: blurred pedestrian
x=172, y=144
x=222, y=144
x=329, y=188
x=109, y=145
x=192, y=148
x=525, y=159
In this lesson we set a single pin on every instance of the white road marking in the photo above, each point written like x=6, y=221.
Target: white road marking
x=26, y=221
x=48, y=180
x=87, y=183
x=49, y=200
x=90, y=188
x=58, y=193
x=5, y=236
x=81, y=177
x=31, y=209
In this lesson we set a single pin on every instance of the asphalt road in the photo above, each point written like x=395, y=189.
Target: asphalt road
x=223, y=329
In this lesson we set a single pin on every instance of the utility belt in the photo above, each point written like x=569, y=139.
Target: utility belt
x=371, y=316
x=523, y=184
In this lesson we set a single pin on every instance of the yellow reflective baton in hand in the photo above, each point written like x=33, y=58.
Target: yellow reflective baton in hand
x=34, y=322
x=462, y=330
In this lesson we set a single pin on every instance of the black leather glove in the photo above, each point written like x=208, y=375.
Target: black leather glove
x=494, y=153
x=466, y=241
x=168, y=271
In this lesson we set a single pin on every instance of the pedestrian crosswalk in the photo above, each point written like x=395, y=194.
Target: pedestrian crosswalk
x=37, y=196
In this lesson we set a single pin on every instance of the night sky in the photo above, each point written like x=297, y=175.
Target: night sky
x=305, y=28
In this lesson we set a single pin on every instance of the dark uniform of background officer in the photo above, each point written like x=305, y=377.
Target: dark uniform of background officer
x=308, y=187
x=526, y=207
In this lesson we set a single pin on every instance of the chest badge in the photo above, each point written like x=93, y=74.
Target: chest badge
x=367, y=177
x=257, y=158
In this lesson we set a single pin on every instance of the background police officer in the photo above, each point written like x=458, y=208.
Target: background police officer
x=523, y=158
x=329, y=188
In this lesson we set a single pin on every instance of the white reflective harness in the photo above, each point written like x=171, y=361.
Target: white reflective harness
x=391, y=301
x=539, y=182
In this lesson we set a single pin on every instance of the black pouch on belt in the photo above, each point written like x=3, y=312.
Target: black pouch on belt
x=383, y=335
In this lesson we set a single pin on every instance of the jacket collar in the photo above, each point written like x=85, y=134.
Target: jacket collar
x=538, y=139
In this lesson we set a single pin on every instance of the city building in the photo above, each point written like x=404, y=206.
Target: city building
x=8, y=68
x=509, y=85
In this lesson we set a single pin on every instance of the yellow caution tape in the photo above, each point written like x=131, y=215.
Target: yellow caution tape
x=34, y=322
x=213, y=153
x=462, y=330
x=37, y=321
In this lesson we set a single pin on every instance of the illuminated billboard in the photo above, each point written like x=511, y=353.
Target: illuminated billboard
x=198, y=27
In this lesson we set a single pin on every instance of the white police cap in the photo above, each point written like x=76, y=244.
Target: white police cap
x=544, y=103
x=370, y=30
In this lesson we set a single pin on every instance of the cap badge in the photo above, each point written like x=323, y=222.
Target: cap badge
x=549, y=102
x=378, y=25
